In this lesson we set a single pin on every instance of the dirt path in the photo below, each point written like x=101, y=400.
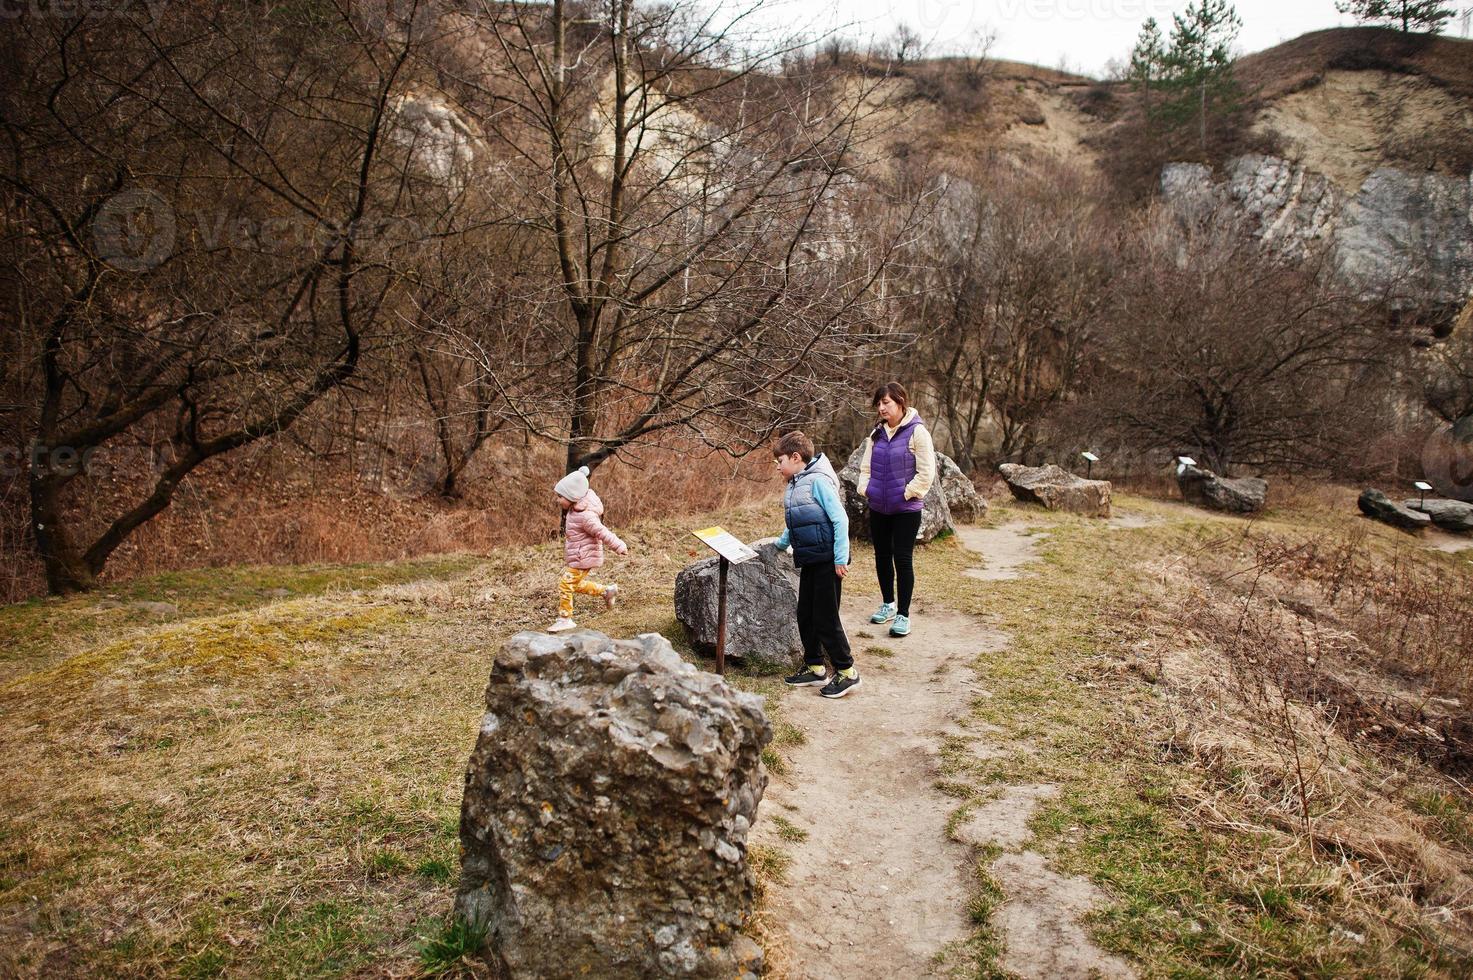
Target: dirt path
x=877, y=888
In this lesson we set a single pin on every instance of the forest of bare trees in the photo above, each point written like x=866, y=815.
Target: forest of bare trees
x=602, y=230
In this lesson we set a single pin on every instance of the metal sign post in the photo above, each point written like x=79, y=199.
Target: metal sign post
x=721, y=616
x=1089, y=464
x=731, y=551
x=1423, y=486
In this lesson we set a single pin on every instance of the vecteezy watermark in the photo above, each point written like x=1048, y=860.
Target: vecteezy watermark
x=149, y=11
x=136, y=230
x=1447, y=460
x=41, y=460
x=933, y=15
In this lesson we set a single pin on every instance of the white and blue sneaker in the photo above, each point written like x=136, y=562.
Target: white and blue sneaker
x=901, y=626
x=884, y=614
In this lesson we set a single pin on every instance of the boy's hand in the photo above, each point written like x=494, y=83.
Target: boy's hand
x=841, y=570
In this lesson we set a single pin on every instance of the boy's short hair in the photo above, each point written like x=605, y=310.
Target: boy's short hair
x=793, y=442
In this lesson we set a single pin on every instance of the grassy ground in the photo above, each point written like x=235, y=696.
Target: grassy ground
x=262, y=775
x=264, y=778
x=1205, y=876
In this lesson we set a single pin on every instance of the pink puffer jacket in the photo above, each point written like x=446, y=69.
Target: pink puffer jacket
x=586, y=535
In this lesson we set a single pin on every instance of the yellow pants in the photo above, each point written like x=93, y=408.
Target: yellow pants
x=574, y=580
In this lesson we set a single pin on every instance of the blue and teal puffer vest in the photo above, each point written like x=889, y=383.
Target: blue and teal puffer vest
x=810, y=531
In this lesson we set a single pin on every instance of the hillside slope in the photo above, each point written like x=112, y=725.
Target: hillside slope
x=1342, y=102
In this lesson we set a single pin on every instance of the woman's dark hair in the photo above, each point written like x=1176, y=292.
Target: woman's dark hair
x=897, y=394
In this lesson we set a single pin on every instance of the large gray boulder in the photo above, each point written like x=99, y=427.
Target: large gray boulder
x=1236, y=495
x=607, y=804
x=1375, y=504
x=1450, y=515
x=967, y=506
x=761, y=607
x=935, y=512
x=1057, y=489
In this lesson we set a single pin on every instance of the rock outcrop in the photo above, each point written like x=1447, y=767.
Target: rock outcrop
x=966, y=505
x=935, y=513
x=1450, y=515
x=1395, y=221
x=606, y=811
x=437, y=137
x=1236, y=495
x=1057, y=489
x=761, y=607
x=1376, y=505
x=1447, y=459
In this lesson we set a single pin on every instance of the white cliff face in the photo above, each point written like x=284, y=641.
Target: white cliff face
x=1414, y=231
x=1408, y=235
x=439, y=141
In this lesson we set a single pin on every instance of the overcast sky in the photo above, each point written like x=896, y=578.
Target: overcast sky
x=1083, y=33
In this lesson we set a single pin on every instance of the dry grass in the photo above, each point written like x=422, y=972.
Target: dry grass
x=258, y=508
x=1183, y=771
x=273, y=788
x=268, y=782
x=1316, y=682
x=1297, y=64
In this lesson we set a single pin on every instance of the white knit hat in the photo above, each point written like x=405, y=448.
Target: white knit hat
x=574, y=486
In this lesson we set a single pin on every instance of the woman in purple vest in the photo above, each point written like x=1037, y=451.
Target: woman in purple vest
x=896, y=469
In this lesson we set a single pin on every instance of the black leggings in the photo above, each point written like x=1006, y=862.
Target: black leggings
x=894, y=536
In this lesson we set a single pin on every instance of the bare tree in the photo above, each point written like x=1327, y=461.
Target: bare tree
x=710, y=274
x=1019, y=258
x=1447, y=386
x=1241, y=355
x=976, y=60
x=206, y=218
x=906, y=45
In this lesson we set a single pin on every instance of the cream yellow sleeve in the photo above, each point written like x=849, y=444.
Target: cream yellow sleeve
x=925, y=454
x=869, y=448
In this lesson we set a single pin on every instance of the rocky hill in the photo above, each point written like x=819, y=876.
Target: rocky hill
x=1370, y=132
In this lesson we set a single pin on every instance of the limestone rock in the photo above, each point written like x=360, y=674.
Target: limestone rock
x=1450, y=515
x=967, y=506
x=439, y=140
x=935, y=513
x=1400, y=220
x=761, y=607
x=1375, y=504
x=1394, y=220
x=607, y=804
x=1240, y=495
x=1057, y=489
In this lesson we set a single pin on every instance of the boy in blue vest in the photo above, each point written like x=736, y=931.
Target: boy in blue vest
x=818, y=531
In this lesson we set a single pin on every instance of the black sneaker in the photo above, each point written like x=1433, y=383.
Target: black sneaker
x=840, y=686
x=805, y=678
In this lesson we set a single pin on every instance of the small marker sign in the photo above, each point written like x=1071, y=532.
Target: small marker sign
x=725, y=544
x=732, y=552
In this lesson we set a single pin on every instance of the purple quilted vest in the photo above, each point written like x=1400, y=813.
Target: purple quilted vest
x=891, y=466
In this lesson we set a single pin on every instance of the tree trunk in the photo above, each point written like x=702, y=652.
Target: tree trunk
x=67, y=570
